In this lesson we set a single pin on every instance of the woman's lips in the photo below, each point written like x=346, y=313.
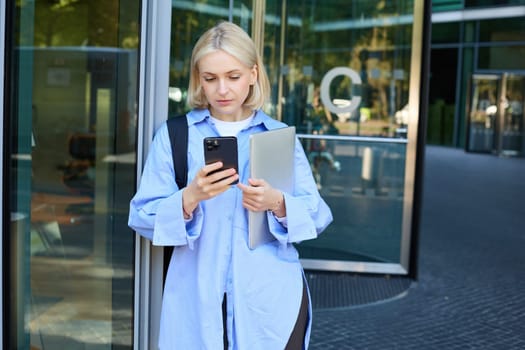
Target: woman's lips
x=224, y=102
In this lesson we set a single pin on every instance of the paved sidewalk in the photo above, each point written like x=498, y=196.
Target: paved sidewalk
x=470, y=292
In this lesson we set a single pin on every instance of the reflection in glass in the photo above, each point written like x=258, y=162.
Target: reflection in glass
x=189, y=21
x=368, y=43
x=497, y=115
x=73, y=92
x=489, y=3
x=483, y=113
x=305, y=40
x=362, y=183
x=443, y=33
x=513, y=128
x=501, y=58
x=501, y=30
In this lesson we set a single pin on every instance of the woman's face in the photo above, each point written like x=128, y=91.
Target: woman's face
x=226, y=84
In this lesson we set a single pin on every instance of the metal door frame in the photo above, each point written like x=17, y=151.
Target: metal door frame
x=3, y=30
x=152, y=111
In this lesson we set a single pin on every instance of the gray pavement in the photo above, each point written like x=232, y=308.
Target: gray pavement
x=470, y=288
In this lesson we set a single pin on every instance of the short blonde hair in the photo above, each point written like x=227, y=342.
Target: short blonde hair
x=233, y=40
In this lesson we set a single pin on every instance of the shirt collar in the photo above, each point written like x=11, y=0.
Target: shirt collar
x=198, y=115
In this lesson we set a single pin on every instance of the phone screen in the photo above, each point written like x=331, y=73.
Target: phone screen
x=224, y=149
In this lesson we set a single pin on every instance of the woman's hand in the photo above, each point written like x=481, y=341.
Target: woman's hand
x=260, y=196
x=206, y=186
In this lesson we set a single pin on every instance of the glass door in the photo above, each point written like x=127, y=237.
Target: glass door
x=71, y=94
x=483, y=112
x=513, y=118
x=341, y=75
x=496, y=119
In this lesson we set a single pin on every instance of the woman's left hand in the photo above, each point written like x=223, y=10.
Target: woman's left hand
x=260, y=196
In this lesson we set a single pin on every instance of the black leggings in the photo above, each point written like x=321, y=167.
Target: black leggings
x=296, y=340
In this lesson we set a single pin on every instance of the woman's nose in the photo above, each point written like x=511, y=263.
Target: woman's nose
x=223, y=87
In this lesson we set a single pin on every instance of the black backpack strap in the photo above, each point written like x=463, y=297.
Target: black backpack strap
x=178, y=132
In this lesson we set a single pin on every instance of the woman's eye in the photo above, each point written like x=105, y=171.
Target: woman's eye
x=209, y=78
x=235, y=77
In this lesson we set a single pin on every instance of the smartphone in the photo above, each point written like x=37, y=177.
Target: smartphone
x=223, y=149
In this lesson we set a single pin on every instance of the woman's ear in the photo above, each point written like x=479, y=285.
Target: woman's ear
x=254, y=75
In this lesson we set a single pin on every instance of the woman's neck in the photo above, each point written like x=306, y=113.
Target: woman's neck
x=237, y=117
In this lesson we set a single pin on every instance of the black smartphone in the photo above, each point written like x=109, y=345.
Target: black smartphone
x=223, y=149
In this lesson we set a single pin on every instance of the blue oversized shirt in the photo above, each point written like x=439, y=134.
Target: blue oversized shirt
x=211, y=255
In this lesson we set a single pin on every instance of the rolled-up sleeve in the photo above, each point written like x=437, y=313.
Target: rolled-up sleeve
x=307, y=214
x=156, y=209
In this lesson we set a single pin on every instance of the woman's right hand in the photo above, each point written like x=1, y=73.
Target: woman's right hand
x=205, y=186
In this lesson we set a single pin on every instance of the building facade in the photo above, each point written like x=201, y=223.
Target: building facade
x=477, y=79
x=85, y=84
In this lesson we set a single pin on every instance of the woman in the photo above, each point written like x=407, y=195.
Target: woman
x=218, y=290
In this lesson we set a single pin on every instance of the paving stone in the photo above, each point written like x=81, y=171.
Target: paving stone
x=469, y=291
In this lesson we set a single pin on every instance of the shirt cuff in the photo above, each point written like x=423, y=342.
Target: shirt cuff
x=283, y=221
x=170, y=226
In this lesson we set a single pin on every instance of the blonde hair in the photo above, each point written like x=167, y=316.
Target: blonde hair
x=233, y=40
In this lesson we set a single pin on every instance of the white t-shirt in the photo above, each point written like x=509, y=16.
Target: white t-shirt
x=231, y=128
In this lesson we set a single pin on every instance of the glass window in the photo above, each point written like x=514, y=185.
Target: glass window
x=375, y=49
x=482, y=116
x=363, y=184
x=488, y=3
x=506, y=57
x=442, y=96
x=445, y=33
x=508, y=29
x=189, y=20
x=72, y=84
x=513, y=119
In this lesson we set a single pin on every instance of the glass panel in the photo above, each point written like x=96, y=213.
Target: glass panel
x=483, y=113
x=442, y=96
x=367, y=177
x=368, y=44
x=443, y=33
x=189, y=20
x=513, y=137
x=242, y=14
x=508, y=29
x=371, y=54
x=72, y=83
x=502, y=58
x=491, y=3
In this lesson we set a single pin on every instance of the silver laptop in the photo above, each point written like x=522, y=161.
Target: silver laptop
x=271, y=159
